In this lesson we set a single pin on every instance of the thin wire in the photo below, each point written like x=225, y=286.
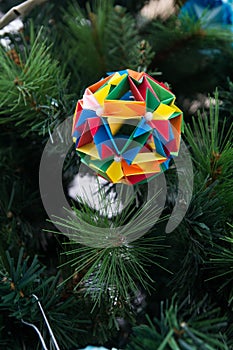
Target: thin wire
x=38, y=332
x=47, y=323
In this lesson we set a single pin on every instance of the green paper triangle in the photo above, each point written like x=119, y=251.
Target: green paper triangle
x=175, y=114
x=164, y=95
x=136, y=82
x=102, y=165
x=119, y=90
x=136, y=142
x=151, y=101
x=104, y=175
x=85, y=158
x=142, y=138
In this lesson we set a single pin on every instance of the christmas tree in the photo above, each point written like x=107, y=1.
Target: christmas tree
x=127, y=261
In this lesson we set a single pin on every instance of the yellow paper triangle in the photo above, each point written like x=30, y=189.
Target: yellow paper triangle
x=151, y=144
x=147, y=157
x=163, y=112
x=176, y=109
x=90, y=149
x=116, y=79
x=150, y=167
x=115, y=124
x=101, y=94
x=115, y=172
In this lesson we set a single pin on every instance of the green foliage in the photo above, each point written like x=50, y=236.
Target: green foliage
x=131, y=5
x=13, y=216
x=177, y=30
x=19, y=281
x=185, y=52
x=211, y=148
x=87, y=60
x=227, y=98
x=112, y=270
x=92, y=298
x=18, y=200
x=125, y=48
x=205, y=221
x=221, y=266
x=101, y=39
x=108, y=250
x=16, y=283
x=193, y=239
x=206, y=139
x=177, y=329
x=32, y=86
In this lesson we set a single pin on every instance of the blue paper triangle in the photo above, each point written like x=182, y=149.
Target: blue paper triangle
x=128, y=96
x=85, y=114
x=121, y=72
x=158, y=144
x=142, y=128
x=165, y=165
x=76, y=134
x=131, y=154
x=109, y=133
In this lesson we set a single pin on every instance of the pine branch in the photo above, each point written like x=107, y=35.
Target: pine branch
x=194, y=239
x=86, y=26
x=180, y=32
x=16, y=198
x=110, y=255
x=113, y=41
x=19, y=281
x=123, y=38
x=32, y=91
x=220, y=266
x=210, y=140
x=209, y=210
x=178, y=329
x=187, y=52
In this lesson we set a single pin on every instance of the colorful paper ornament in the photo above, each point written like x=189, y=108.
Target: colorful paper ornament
x=127, y=127
x=212, y=13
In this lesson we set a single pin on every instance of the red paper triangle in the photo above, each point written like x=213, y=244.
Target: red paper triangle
x=94, y=124
x=138, y=178
x=106, y=151
x=86, y=136
x=158, y=82
x=162, y=126
x=77, y=113
x=135, y=92
x=144, y=86
x=171, y=146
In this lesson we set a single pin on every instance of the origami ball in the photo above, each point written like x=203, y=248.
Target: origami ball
x=127, y=127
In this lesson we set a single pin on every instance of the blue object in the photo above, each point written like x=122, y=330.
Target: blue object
x=212, y=12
